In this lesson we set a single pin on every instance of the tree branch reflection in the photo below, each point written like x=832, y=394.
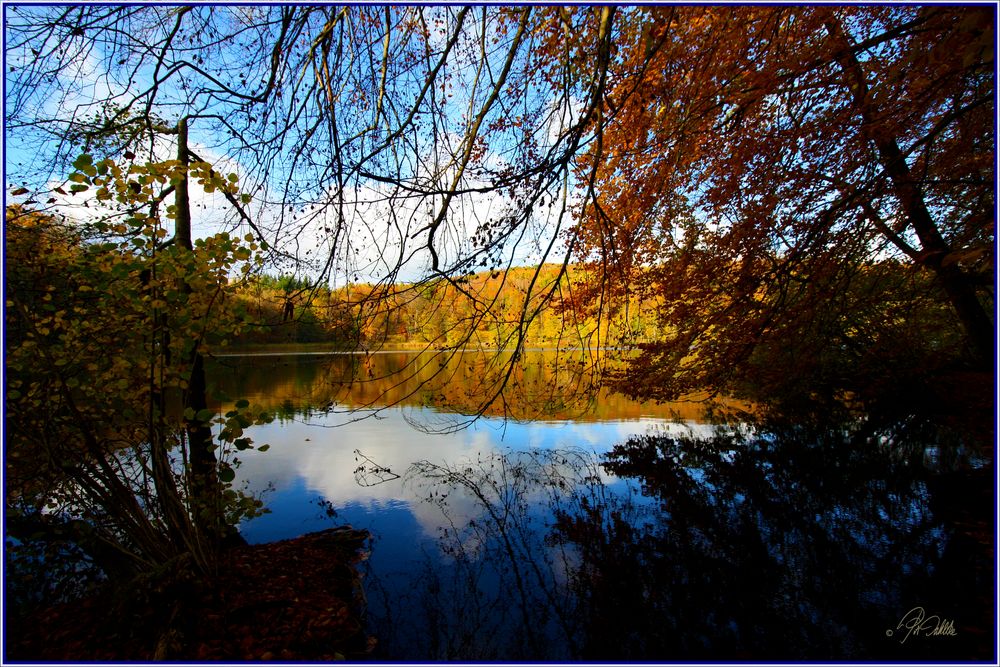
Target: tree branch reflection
x=745, y=545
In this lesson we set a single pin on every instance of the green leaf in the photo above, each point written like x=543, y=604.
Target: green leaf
x=263, y=448
x=205, y=415
x=242, y=403
x=84, y=160
x=226, y=475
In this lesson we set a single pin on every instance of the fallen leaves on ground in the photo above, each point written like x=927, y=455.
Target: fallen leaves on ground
x=294, y=600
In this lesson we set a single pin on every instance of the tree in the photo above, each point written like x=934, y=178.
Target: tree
x=115, y=452
x=454, y=116
x=797, y=183
x=743, y=166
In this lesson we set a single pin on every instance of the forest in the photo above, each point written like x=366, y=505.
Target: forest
x=790, y=207
x=438, y=313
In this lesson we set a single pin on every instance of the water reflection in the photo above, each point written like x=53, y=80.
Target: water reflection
x=315, y=457
x=796, y=545
x=791, y=546
x=503, y=589
x=544, y=385
x=546, y=540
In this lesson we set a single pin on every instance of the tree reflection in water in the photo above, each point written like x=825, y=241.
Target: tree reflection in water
x=501, y=590
x=791, y=545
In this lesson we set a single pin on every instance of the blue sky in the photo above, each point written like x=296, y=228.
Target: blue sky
x=367, y=230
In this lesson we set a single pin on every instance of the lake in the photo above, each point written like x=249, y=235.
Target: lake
x=568, y=523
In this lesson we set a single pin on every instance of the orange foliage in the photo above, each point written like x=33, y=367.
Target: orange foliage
x=769, y=172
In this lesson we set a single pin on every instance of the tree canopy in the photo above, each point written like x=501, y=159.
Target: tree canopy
x=799, y=183
x=760, y=171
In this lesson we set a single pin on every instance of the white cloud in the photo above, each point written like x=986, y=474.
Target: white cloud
x=376, y=228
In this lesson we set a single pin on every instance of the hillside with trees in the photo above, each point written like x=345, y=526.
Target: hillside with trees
x=489, y=309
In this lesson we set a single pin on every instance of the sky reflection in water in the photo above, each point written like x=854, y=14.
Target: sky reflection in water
x=314, y=460
x=510, y=541
x=309, y=463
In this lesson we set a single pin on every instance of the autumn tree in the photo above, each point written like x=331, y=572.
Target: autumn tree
x=799, y=185
x=115, y=453
x=743, y=169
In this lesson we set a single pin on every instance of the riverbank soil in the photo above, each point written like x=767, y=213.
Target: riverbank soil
x=293, y=600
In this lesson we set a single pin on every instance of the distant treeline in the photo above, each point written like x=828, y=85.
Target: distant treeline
x=491, y=309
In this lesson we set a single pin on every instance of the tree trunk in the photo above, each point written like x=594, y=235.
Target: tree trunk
x=205, y=488
x=961, y=292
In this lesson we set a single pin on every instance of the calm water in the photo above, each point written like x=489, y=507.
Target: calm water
x=585, y=526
